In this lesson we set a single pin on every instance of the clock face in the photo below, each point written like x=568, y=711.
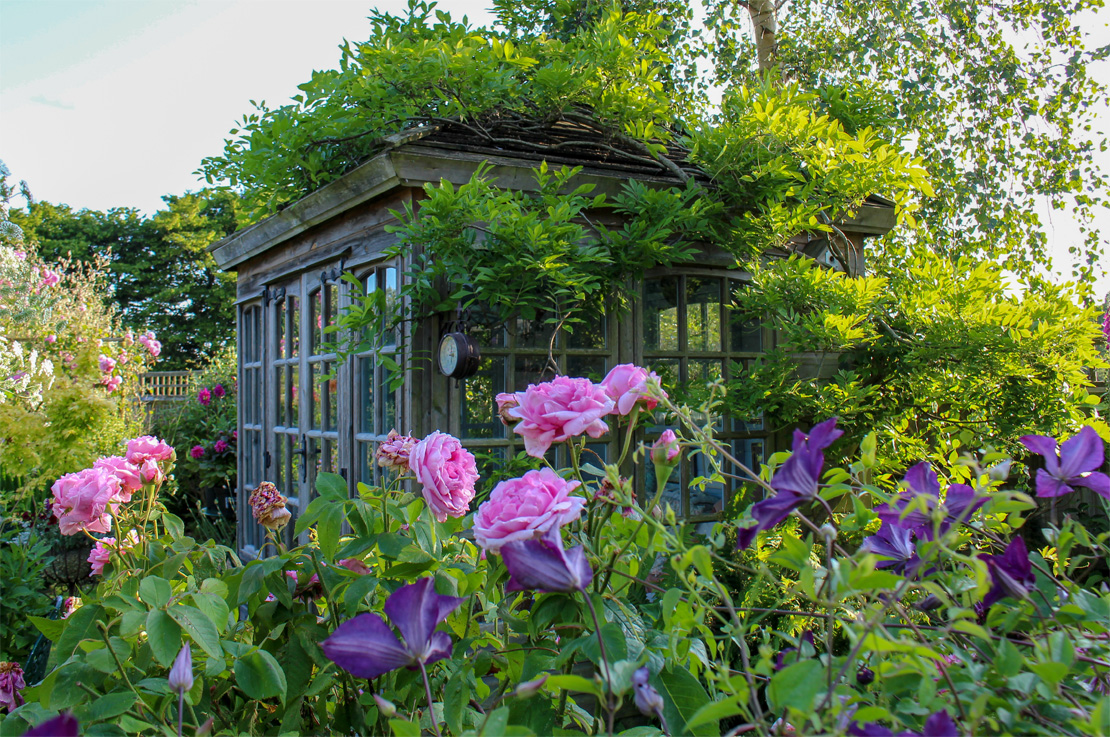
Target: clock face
x=448, y=354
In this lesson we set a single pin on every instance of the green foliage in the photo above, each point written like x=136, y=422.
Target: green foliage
x=935, y=361
x=24, y=556
x=159, y=273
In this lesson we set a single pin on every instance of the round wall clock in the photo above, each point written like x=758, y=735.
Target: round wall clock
x=458, y=356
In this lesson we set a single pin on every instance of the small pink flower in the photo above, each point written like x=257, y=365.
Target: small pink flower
x=558, y=410
x=49, y=278
x=220, y=446
x=204, y=397
x=447, y=472
x=101, y=553
x=82, y=500
x=112, y=382
x=234, y=434
x=128, y=339
x=107, y=364
x=626, y=385
x=394, y=451
x=127, y=473
x=70, y=605
x=525, y=508
x=148, y=446
x=155, y=348
x=218, y=391
x=197, y=452
x=20, y=255
x=666, y=449
x=11, y=683
x=123, y=358
x=52, y=339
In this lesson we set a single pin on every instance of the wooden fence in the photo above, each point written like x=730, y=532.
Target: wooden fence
x=164, y=386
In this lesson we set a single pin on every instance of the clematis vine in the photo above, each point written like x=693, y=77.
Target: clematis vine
x=922, y=483
x=1076, y=463
x=795, y=482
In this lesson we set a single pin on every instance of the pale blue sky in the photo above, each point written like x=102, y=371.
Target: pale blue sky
x=109, y=103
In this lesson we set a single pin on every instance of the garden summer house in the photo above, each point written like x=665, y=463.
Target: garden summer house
x=293, y=423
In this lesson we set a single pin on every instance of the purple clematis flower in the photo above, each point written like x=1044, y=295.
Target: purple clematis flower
x=896, y=543
x=1075, y=465
x=63, y=725
x=366, y=647
x=543, y=565
x=1011, y=573
x=937, y=725
x=795, y=482
x=921, y=481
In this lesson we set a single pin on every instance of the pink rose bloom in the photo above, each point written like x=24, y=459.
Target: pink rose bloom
x=129, y=479
x=447, y=472
x=82, y=499
x=505, y=402
x=218, y=391
x=525, y=508
x=197, y=452
x=234, y=434
x=101, y=553
x=112, y=382
x=151, y=472
x=11, y=683
x=558, y=410
x=107, y=364
x=52, y=339
x=148, y=446
x=123, y=357
x=626, y=385
x=220, y=446
x=128, y=339
x=20, y=255
x=394, y=451
x=354, y=564
x=204, y=397
x=154, y=347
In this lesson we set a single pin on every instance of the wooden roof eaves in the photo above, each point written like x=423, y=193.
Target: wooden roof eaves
x=407, y=165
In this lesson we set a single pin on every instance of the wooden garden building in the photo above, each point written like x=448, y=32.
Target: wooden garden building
x=293, y=423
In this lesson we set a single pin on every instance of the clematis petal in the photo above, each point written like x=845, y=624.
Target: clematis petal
x=365, y=647
x=922, y=480
x=961, y=501
x=940, y=725
x=1097, y=482
x=439, y=647
x=768, y=513
x=1046, y=447
x=1080, y=453
x=63, y=725
x=417, y=609
x=543, y=565
x=1049, y=486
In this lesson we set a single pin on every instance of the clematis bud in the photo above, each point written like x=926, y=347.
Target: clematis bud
x=530, y=688
x=648, y=700
x=865, y=676
x=181, y=674
x=386, y=707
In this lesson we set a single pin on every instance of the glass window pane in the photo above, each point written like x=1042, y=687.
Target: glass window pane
x=332, y=305
x=293, y=323
x=529, y=370
x=387, y=401
x=366, y=394
x=279, y=391
x=667, y=369
x=746, y=336
x=316, y=319
x=317, y=395
x=367, y=470
x=591, y=334
x=296, y=461
x=533, y=333
x=703, y=314
x=749, y=452
x=277, y=470
x=589, y=367
x=672, y=492
x=707, y=497
x=389, y=281
x=486, y=327
x=279, y=321
x=292, y=416
x=661, y=314
x=477, y=402
x=331, y=391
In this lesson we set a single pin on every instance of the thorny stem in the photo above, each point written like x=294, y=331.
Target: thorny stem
x=123, y=673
